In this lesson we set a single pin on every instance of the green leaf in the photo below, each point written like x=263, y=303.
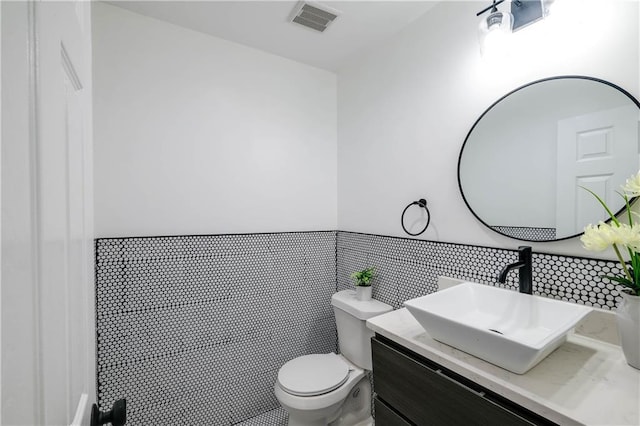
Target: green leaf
x=635, y=265
x=613, y=218
x=364, y=277
x=619, y=280
x=626, y=202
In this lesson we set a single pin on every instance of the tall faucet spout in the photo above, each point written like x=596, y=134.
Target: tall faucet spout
x=502, y=278
x=525, y=280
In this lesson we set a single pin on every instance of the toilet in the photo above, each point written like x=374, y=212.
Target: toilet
x=331, y=389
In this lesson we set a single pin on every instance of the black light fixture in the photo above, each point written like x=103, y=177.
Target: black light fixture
x=495, y=18
x=526, y=12
x=493, y=29
x=497, y=24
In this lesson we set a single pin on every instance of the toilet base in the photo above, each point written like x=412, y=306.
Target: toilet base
x=354, y=410
x=366, y=422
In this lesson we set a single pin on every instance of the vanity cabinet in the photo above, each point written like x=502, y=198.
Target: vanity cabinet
x=412, y=390
x=386, y=416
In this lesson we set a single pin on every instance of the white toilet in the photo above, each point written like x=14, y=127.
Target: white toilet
x=330, y=389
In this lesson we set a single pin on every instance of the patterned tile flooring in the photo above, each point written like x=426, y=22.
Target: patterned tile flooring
x=277, y=417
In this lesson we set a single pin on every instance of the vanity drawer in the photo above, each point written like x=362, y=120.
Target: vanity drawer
x=385, y=416
x=428, y=394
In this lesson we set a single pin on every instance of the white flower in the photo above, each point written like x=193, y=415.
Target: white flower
x=632, y=186
x=603, y=236
x=597, y=238
x=633, y=237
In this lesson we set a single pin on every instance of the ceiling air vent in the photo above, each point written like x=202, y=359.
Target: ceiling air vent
x=316, y=17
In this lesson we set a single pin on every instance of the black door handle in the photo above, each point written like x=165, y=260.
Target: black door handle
x=117, y=416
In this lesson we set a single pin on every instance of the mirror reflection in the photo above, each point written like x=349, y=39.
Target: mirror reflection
x=524, y=160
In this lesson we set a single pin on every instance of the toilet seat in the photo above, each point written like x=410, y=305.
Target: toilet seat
x=311, y=375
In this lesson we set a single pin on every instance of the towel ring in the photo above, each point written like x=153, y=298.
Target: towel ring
x=421, y=203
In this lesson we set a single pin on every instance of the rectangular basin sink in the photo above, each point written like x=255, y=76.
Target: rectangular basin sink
x=512, y=330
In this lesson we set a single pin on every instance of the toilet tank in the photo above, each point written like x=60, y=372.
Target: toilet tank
x=354, y=338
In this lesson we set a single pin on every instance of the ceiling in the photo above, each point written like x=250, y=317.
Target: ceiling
x=265, y=25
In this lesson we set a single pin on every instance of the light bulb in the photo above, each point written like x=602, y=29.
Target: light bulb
x=493, y=33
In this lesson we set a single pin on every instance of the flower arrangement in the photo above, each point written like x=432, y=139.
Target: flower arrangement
x=363, y=278
x=619, y=235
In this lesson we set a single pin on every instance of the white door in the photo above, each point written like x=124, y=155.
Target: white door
x=598, y=151
x=48, y=324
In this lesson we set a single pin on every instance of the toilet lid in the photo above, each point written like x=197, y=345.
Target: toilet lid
x=315, y=374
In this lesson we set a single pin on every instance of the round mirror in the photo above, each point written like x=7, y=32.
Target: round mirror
x=524, y=161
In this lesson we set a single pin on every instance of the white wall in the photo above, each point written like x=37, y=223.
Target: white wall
x=406, y=105
x=197, y=135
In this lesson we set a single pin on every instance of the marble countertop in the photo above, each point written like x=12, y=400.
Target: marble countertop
x=586, y=381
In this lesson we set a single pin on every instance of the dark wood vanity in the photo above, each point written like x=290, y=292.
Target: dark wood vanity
x=412, y=390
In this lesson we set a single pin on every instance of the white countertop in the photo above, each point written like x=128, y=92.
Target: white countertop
x=585, y=381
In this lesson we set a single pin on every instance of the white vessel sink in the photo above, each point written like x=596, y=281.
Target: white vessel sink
x=512, y=330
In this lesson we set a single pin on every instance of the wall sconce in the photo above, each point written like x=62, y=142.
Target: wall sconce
x=526, y=12
x=495, y=28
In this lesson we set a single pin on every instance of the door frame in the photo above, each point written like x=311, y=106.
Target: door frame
x=24, y=396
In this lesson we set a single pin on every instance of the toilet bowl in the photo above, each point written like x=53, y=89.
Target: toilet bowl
x=330, y=389
x=314, y=388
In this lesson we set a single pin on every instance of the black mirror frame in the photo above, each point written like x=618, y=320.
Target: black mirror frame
x=582, y=77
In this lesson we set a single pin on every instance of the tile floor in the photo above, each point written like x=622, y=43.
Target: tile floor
x=277, y=417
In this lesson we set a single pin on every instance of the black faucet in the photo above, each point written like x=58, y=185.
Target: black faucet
x=524, y=264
